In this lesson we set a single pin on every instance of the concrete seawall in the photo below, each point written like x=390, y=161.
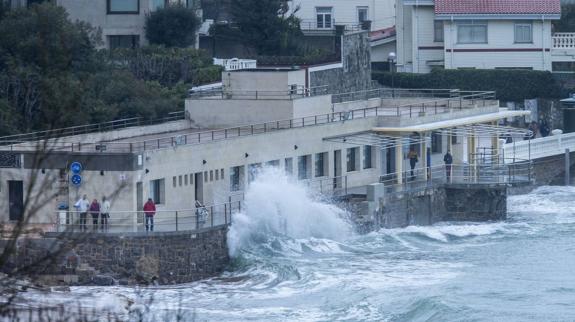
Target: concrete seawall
x=127, y=259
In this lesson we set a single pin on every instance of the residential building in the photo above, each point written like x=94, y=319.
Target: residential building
x=463, y=34
x=122, y=22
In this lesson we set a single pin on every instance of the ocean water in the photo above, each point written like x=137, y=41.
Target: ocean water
x=297, y=259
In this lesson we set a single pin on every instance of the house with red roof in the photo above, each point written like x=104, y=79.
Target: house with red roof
x=479, y=34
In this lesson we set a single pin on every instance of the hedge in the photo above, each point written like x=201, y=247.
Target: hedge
x=510, y=85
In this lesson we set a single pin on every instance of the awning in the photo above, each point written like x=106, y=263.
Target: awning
x=485, y=130
x=374, y=139
x=470, y=120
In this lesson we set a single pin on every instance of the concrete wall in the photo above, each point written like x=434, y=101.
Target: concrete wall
x=165, y=258
x=263, y=80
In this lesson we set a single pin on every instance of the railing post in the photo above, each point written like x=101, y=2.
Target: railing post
x=176, y=221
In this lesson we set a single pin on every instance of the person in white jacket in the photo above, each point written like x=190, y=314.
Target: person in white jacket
x=105, y=213
x=82, y=206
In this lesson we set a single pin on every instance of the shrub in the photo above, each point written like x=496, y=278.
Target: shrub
x=510, y=85
x=172, y=26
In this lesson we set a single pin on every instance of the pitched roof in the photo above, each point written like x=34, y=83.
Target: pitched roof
x=497, y=7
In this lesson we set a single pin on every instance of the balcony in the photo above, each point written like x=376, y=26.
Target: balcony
x=311, y=27
x=564, y=40
x=563, y=52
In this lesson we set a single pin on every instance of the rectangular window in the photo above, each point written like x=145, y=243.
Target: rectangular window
x=253, y=170
x=436, y=142
x=157, y=191
x=185, y=179
x=352, y=155
x=217, y=174
x=303, y=167
x=157, y=4
x=438, y=31
x=523, y=33
x=180, y=181
x=362, y=14
x=235, y=179
x=211, y=175
x=323, y=15
x=273, y=163
x=123, y=6
x=367, y=155
x=472, y=32
x=320, y=164
x=205, y=176
x=174, y=181
x=124, y=41
x=191, y=178
x=222, y=174
x=453, y=139
x=289, y=166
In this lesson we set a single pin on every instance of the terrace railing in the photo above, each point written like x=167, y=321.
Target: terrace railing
x=88, y=128
x=432, y=107
x=134, y=221
x=540, y=147
x=288, y=94
x=564, y=40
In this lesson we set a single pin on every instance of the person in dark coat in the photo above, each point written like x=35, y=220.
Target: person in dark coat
x=95, y=212
x=149, y=212
x=448, y=159
x=413, y=159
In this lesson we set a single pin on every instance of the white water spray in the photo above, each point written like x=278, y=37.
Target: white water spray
x=276, y=204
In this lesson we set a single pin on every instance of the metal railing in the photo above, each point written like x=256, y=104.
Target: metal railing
x=520, y=172
x=540, y=147
x=563, y=40
x=135, y=221
x=288, y=94
x=330, y=25
x=236, y=63
x=88, y=128
x=407, y=93
x=431, y=107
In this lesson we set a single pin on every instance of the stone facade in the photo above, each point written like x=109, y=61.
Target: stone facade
x=355, y=73
x=139, y=258
x=470, y=202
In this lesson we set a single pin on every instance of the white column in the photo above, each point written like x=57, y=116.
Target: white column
x=399, y=161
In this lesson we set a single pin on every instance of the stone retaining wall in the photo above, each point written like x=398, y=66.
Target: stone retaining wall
x=128, y=259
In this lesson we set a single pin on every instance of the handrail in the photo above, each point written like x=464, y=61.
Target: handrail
x=540, y=147
x=289, y=93
x=88, y=128
x=410, y=110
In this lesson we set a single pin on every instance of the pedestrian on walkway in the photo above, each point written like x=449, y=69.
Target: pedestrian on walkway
x=413, y=159
x=105, y=214
x=448, y=159
x=82, y=206
x=149, y=212
x=95, y=212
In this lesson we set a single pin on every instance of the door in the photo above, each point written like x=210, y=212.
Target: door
x=140, y=200
x=390, y=160
x=337, y=169
x=16, y=200
x=199, y=187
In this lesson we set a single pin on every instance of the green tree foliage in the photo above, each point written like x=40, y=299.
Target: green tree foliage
x=52, y=76
x=268, y=26
x=510, y=85
x=172, y=26
x=567, y=21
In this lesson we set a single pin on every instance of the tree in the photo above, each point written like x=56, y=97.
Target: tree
x=567, y=21
x=266, y=25
x=172, y=26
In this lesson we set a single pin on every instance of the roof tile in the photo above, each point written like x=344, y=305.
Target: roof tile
x=517, y=7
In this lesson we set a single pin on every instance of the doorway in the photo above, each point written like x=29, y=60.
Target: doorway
x=337, y=169
x=16, y=200
x=199, y=187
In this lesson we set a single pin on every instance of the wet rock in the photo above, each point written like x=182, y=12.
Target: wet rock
x=103, y=280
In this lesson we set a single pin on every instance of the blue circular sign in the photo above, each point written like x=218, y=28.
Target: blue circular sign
x=76, y=167
x=76, y=179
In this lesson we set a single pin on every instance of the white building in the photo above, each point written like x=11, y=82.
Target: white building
x=490, y=34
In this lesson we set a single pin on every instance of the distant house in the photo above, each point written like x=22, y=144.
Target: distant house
x=122, y=21
x=488, y=34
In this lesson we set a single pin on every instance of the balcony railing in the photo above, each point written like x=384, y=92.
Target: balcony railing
x=564, y=40
x=314, y=25
x=236, y=63
x=290, y=93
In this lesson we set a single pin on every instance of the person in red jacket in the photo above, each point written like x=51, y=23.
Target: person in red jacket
x=150, y=211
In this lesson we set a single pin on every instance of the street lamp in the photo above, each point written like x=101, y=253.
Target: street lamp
x=391, y=59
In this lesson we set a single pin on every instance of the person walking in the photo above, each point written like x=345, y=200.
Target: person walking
x=413, y=159
x=448, y=159
x=82, y=207
x=95, y=212
x=105, y=214
x=150, y=211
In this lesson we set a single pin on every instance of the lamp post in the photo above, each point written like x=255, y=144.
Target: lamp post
x=391, y=59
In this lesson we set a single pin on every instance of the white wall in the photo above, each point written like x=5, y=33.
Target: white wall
x=500, y=51
x=263, y=80
x=381, y=12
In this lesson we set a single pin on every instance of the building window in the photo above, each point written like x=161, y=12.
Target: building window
x=320, y=164
x=235, y=179
x=205, y=176
x=217, y=174
x=436, y=142
x=191, y=178
x=289, y=166
x=157, y=191
x=174, y=181
x=367, y=155
x=352, y=155
x=323, y=15
x=123, y=6
x=453, y=139
x=438, y=31
x=303, y=167
x=273, y=163
x=523, y=33
x=180, y=181
x=253, y=171
x=362, y=14
x=158, y=4
x=185, y=179
x=211, y=175
x=472, y=32
x=124, y=41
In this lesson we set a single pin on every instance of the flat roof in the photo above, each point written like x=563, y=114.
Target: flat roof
x=454, y=123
